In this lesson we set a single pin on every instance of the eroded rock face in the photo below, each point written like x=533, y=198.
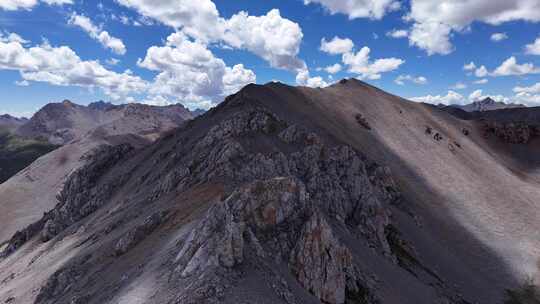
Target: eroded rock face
x=139, y=233
x=272, y=218
x=320, y=262
x=219, y=239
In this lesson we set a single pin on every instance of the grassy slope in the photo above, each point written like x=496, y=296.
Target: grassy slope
x=16, y=153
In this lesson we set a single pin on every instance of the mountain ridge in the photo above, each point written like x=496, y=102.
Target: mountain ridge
x=287, y=194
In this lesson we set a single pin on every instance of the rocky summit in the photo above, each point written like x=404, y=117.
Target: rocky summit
x=289, y=195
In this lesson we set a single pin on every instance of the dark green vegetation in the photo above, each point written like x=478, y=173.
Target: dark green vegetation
x=16, y=153
x=526, y=294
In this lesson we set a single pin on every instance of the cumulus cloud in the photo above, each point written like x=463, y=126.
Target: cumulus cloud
x=481, y=72
x=359, y=63
x=433, y=37
x=450, y=98
x=533, y=48
x=199, y=19
x=272, y=37
x=189, y=71
x=397, y=33
x=332, y=69
x=303, y=78
x=337, y=46
x=373, y=9
x=469, y=67
x=13, y=5
x=63, y=67
x=434, y=21
x=108, y=41
x=531, y=100
x=534, y=89
x=496, y=37
x=401, y=79
x=511, y=67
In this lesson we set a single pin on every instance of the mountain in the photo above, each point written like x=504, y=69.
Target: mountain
x=198, y=112
x=79, y=130
x=283, y=194
x=63, y=122
x=487, y=104
x=8, y=122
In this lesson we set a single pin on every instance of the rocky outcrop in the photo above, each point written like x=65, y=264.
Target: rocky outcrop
x=62, y=282
x=513, y=132
x=139, y=233
x=272, y=218
x=320, y=263
x=286, y=212
x=219, y=239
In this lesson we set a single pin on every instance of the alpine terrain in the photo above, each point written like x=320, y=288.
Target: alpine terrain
x=279, y=194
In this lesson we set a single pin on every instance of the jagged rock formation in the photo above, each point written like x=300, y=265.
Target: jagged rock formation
x=278, y=195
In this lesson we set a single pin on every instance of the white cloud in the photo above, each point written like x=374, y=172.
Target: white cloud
x=22, y=83
x=304, y=79
x=271, y=37
x=478, y=95
x=511, y=67
x=199, y=19
x=13, y=5
x=498, y=37
x=533, y=48
x=433, y=37
x=400, y=80
x=531, y=100
x=459, y=86
x=481, y=81
x=188, y=71
x=236, y=78
x=61, y=66
x=397, y=33
x=336, y=46
x=434, y=21
x=469, y=67
x=481, y=72
x=113, y=43
x=374, y=9
x=360, y=64
x=534, y=89
x=112, y=61
x=450, y=98
x=333, y=69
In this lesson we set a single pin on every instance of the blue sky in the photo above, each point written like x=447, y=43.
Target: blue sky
x=196, y=53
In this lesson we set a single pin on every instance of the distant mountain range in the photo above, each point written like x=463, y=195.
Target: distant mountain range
x=24, y=140
x=487, y=104
x=60, y=123
x=11, y=123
